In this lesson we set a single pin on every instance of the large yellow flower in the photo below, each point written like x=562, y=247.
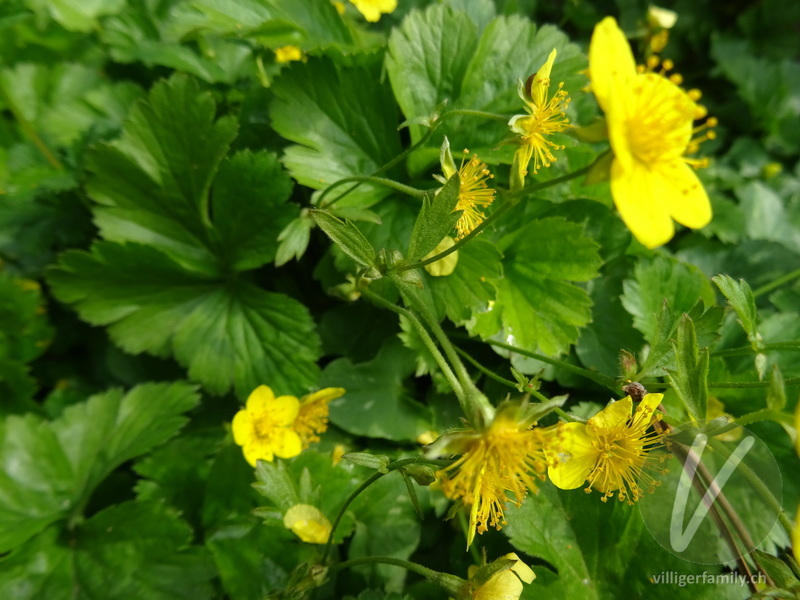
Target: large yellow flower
x=650, y=126
x=372, y=9
x=545, y=117
x=264, y=426
x=312, y=418
x=609, y=452
x=506, y=457
x=473, y=192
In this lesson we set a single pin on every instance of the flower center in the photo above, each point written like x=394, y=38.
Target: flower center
x=660, y=125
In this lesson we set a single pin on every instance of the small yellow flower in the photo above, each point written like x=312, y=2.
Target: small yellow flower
x=264, y=427
x=312, y=418
x=287, y=54
x=609, y=451
x=545, y=117
x=504, y=585
x=473, y=193
x=650, y=126
x=443, y=266
x=504, y=458
x=373, y=9
x=308, y=523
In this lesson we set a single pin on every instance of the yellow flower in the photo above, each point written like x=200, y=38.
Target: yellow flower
x=506, y=584
x=504, y=458
x=443, y=266
x=308, y=523
x=545, y=117
x=473, y=193
x=312, y=418
x=650, y=126
x=372, y=9
x=287, y=54
x=264, y=427
x=609, y=452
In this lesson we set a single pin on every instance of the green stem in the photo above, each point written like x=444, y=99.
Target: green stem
x=28, y=129
x=551, y=182
x=452, y=584
x=593, y=375
x=476, y=406
x=396, y=160
x=765, y=289
x=484, y=370
x=749, y=384
x=372, y=479
x=747, y=350
x=426, y=339
x=468, y=112
x=390, y=183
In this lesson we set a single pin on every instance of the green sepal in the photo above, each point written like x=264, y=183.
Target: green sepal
x=435, y=220
x=690, y=377
x=378, y=462
x=347, y=236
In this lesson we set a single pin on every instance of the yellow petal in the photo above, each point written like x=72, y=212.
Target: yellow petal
x=689, y=204
x=576, y=458
x=259, y=399
x=613, y=415
x=242, y=427
x=327, y=394
x=650, y=403
x=611, y=63
x=444, y=266
x=643, y=203
x=285, y=442
x=256, y=449
x=308, y=523
x=523, y=571
x=541, y=81
x=284, y=409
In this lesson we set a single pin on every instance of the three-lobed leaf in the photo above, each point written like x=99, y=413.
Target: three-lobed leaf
x=228, y=333
x=537, y=305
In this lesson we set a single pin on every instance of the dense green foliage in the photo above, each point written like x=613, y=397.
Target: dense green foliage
x=169, y=242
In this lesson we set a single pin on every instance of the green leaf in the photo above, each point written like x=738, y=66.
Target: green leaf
x=67, y=101
x=663, y=278
x=249, y=207
x=537, y=308
x=376, y=403
x=344, y=122
x=571, y=531
x=294, y=240
x=428, y=58
x=611, y=329
x=133, y=550
x=154, y=185
x=689, y=379
x=347, y=236
x=24, y=335
x=741, y=299
x=469, y=289
x=227, y=333
x=49, y=469
x=437, y=55
x=77, y=16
